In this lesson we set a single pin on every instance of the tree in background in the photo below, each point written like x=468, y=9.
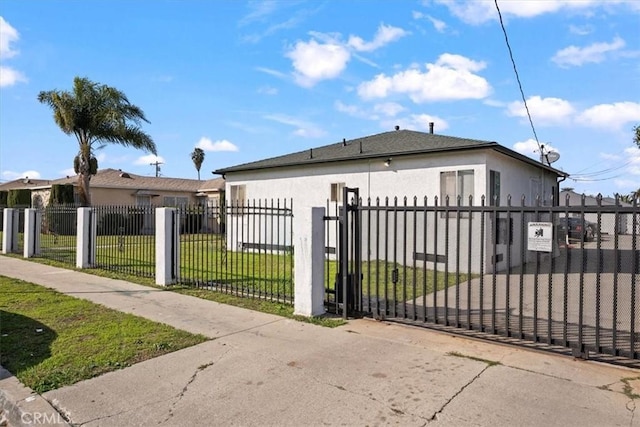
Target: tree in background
x=96, y=115
x=198, y=157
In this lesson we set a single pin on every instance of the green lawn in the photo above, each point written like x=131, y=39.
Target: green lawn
x=377, y=280
x=49, y=340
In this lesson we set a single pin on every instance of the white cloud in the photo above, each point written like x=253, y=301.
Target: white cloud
x=419, y=122
x=612, y=116
x=68, y=172
x=352, y=110
x=595, y=53
x=450, y=78
x=385, y=35
x=268, y=90
x=314, y=62
x=386, y=109
x=439, y=25
x=11, y=175
x=609, y=156
x=9, y=76
x=530, y=148
x=629, y=184
x=479, y=12
x=271, y=72
x=8, y=35
x=494, y=103
x=302, y=128
x=390, y=109
x=148, y=159
x=223, y=145
x=580, y=30
x=544, y=111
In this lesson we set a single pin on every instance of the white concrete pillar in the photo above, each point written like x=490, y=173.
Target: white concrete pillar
x=10, y=231
x=86, y=238
x=32, y=226
x=167, y=246
x=308, y=241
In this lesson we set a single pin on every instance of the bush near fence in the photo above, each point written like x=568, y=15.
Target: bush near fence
x=116, y=223
x=61, y=220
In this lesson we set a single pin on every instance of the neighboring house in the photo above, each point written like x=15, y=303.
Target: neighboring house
x=116, y=187
x=400, y=163
x=607, y=220
x=23, y=183
x=18, y=184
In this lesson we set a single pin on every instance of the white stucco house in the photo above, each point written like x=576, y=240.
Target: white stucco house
x=400, y=163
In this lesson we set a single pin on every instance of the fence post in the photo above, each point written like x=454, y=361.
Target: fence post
x=167, y=246
x=10, y=231
x=86, y=238
x=308, y=232
x=32, y=225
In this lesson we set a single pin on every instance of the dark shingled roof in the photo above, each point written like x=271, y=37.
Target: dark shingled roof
x=387, y=144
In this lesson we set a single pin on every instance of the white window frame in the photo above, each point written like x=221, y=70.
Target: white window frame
x=335, y=191
x=237, y=198
x=460, y=186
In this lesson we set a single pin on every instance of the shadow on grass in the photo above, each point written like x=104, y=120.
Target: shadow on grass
x=24, y=342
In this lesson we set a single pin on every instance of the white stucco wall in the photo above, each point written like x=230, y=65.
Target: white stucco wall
x=411, y=176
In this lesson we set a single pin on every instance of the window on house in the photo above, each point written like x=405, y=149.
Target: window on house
x=494, y=188
x=238, y=194
x=454, y=184
x=237, y=197
x=336, y=191
x=175, y=201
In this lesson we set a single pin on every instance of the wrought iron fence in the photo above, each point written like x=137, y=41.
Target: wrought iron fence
x=58, y=233
x=125, y=240
x=561, y=276
x=243, y=248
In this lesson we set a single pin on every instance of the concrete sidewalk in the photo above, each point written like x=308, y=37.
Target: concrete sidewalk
x=265, y=370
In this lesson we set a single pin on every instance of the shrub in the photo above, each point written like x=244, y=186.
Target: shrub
x=62, y=220
x=61, y=194
x=116, y=223
x=19, y=198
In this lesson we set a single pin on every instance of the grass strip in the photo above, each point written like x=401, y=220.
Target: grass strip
x=49, y=340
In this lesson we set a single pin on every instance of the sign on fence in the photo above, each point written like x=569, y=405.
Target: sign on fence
x=540, y=236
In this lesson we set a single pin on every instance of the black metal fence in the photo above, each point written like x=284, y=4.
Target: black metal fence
x=58, y=233
x=243, y=248
x=563, y=276
x=125, y=240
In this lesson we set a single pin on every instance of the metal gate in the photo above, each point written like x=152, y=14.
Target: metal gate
x=343, y=274
x=561, y=277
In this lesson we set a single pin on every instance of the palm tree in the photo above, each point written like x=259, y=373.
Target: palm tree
x=198, y=157
x=96, y=115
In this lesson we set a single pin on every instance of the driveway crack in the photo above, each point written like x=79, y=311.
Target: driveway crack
x=193, y=377
x=434, y=417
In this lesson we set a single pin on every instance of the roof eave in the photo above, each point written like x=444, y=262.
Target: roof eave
x=360, y=157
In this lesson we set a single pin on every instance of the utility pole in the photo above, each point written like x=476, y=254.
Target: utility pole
x=157, y=165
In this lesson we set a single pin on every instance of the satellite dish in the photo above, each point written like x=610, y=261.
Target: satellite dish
x=552, y=156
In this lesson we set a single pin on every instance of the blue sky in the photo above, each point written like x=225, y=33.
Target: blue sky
x=256, y=79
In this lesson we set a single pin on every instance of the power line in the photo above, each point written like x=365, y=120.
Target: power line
x=515, y=70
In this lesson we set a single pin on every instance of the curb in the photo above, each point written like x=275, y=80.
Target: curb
x=21, y=406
